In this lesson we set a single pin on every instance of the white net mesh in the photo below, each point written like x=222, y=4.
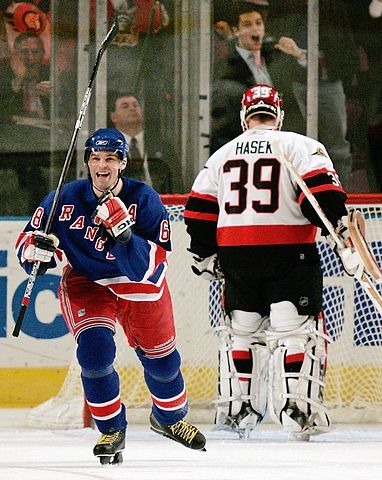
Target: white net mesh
x=354, y=374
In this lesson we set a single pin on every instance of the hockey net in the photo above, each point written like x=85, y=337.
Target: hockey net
x=353, y=391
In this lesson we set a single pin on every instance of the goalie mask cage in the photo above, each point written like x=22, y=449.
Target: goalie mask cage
x=353, y=391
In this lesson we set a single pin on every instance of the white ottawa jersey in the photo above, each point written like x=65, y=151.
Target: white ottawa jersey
x=246, y=196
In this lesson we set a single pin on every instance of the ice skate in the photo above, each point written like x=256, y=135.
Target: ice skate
x=109, y=447
x=295, y=423
x=301, y=427
x=242, y=424
x=181, y=432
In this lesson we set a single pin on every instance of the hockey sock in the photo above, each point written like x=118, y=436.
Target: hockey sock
x=96, y=353
x=165, y=383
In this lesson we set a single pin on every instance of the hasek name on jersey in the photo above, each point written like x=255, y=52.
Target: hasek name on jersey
x=255, y=146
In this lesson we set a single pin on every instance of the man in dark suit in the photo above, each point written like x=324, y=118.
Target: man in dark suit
x=150, y=160
x=251, y=60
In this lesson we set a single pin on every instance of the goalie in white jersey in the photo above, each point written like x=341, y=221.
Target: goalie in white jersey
x=250, y=222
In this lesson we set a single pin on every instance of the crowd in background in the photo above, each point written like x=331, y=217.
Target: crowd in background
x=270, y=48
x=349, y=85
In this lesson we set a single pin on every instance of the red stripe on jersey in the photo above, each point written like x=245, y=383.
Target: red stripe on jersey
x=22, y=238
x=201, y=216
x=321, y=188
x=295, y=357
x=160, y=352
x=314, y=173
x=241, y=355
x=171, y=403
x=160, y=256
x=103, y=411
x=203, y=196
x=266, y=235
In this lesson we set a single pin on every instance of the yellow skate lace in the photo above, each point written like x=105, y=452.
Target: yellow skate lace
x=108, y=438
x=184, y=430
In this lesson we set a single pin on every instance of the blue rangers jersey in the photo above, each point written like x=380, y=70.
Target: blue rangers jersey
x=133, y=271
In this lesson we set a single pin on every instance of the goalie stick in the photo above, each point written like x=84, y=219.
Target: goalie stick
x=356, y=231
x=68, y=160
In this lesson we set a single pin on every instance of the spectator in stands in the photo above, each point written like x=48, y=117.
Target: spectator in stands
x=17, y=17
x=251, y=59
x=25, y=79
x=25, y=111
x=150, y=161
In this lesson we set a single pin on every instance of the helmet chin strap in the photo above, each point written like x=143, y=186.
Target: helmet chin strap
x=108, y=190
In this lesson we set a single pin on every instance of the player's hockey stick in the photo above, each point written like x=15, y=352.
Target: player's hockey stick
x=68, y=160
x=364, y=279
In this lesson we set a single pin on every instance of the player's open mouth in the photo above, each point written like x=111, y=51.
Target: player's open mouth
x=256, y=38
x=102, y=174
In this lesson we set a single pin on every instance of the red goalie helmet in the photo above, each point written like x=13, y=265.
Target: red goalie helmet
x=261, y=99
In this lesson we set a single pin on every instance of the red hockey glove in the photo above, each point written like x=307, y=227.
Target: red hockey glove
x=114, y=215
x=207, y=268
x=40, y=247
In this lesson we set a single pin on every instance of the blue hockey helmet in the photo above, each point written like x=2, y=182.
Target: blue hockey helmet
x=107, y=140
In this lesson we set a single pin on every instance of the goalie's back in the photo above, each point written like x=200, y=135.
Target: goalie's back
x=258, y=199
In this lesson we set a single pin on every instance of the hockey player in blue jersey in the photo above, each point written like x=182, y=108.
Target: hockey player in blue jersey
x=115, y=233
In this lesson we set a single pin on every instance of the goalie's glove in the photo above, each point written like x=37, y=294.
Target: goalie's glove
x=40, y=247
x=207, y=268
x=349, y=256
x=114, y=216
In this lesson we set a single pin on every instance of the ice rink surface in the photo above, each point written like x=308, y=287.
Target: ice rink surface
x=351, y=452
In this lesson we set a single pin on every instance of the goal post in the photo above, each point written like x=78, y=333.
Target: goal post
x=353, y=392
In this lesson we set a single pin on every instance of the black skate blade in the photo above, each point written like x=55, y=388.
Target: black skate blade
x=115, y=459
x=159, y=432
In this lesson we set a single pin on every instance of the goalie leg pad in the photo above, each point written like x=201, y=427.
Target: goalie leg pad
x=297, y=369
x=243, y=371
